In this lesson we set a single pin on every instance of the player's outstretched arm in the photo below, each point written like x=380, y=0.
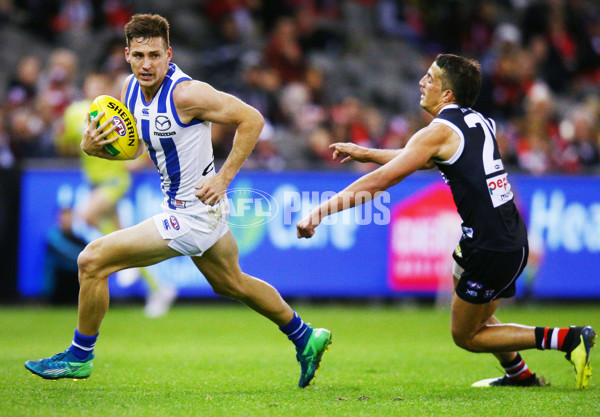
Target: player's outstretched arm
x=351, y=152
x=198, y=100
x=430, y=142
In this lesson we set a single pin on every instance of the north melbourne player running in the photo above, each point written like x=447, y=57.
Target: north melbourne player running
x=174, y=115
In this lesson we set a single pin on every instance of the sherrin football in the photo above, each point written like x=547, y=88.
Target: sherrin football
x=127, y=141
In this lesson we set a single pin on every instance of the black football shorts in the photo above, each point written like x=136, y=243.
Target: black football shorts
x=488, y=275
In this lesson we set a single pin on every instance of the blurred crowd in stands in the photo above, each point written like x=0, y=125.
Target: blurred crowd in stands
x=323, y=71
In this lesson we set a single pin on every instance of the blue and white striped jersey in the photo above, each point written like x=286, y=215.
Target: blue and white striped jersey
x=182, y=153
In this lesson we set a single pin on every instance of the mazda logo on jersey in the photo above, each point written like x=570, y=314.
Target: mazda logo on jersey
x=162, y=123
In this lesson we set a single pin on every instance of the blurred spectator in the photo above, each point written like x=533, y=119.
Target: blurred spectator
x=266, y=155
x=239, y=12
x=58, y=90
x=402, y=19
x=542, y=149
x=349, y=124
x=445, y=25
x=315, y=82
x=270, y=11
x=260, y=89
x=479, y=32
x=284, y=53
x=60, y=263
x=74, y=16
x=316, y=151
x=7, y=9
x=300, y=114
x=22, y=86
x=57, y=87
x=29, y=136
x=563, y=26
x=74, y=24
x=7, y=159
x=535, y=144
x=594, y=29
x=38, y=16
x=222, y=139
x=315, y=32
x=508, y=137
x=504, y=89
x=31, y=125
x=506, y=36
x=223, y=60
x=397, y=134
x=112, y=59
x=582, y=130
x=374, y=124
x=116, y=13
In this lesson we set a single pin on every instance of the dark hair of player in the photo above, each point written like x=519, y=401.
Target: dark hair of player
x=460, y=75
x=147, y=26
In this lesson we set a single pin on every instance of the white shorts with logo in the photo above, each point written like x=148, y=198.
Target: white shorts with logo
x=193, y=230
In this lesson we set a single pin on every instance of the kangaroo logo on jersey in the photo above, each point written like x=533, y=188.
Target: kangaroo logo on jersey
x=162, y=123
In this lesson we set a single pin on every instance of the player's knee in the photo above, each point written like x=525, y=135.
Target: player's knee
x=88, y=261
x=463, y=340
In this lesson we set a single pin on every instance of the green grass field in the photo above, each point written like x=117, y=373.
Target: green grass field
x=225, y=360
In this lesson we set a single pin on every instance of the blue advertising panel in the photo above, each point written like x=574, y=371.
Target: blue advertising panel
x=349, y=256
x=563, y=218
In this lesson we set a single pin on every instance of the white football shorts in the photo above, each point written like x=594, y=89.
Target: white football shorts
x=193, y=230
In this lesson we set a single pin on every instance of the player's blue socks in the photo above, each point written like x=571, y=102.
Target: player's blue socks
x=82, y=345
x=297, y=331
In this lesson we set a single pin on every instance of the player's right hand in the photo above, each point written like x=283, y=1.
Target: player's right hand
x=349, y=152
x=212, y=189
x=95, y=138
x=306, y=227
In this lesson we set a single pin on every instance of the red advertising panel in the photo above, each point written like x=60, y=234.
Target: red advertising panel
x=424, y=230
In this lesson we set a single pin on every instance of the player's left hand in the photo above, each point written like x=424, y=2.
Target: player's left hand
x=211, y=190
x=306, y=226
x=94, y=139
x=348, y=151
